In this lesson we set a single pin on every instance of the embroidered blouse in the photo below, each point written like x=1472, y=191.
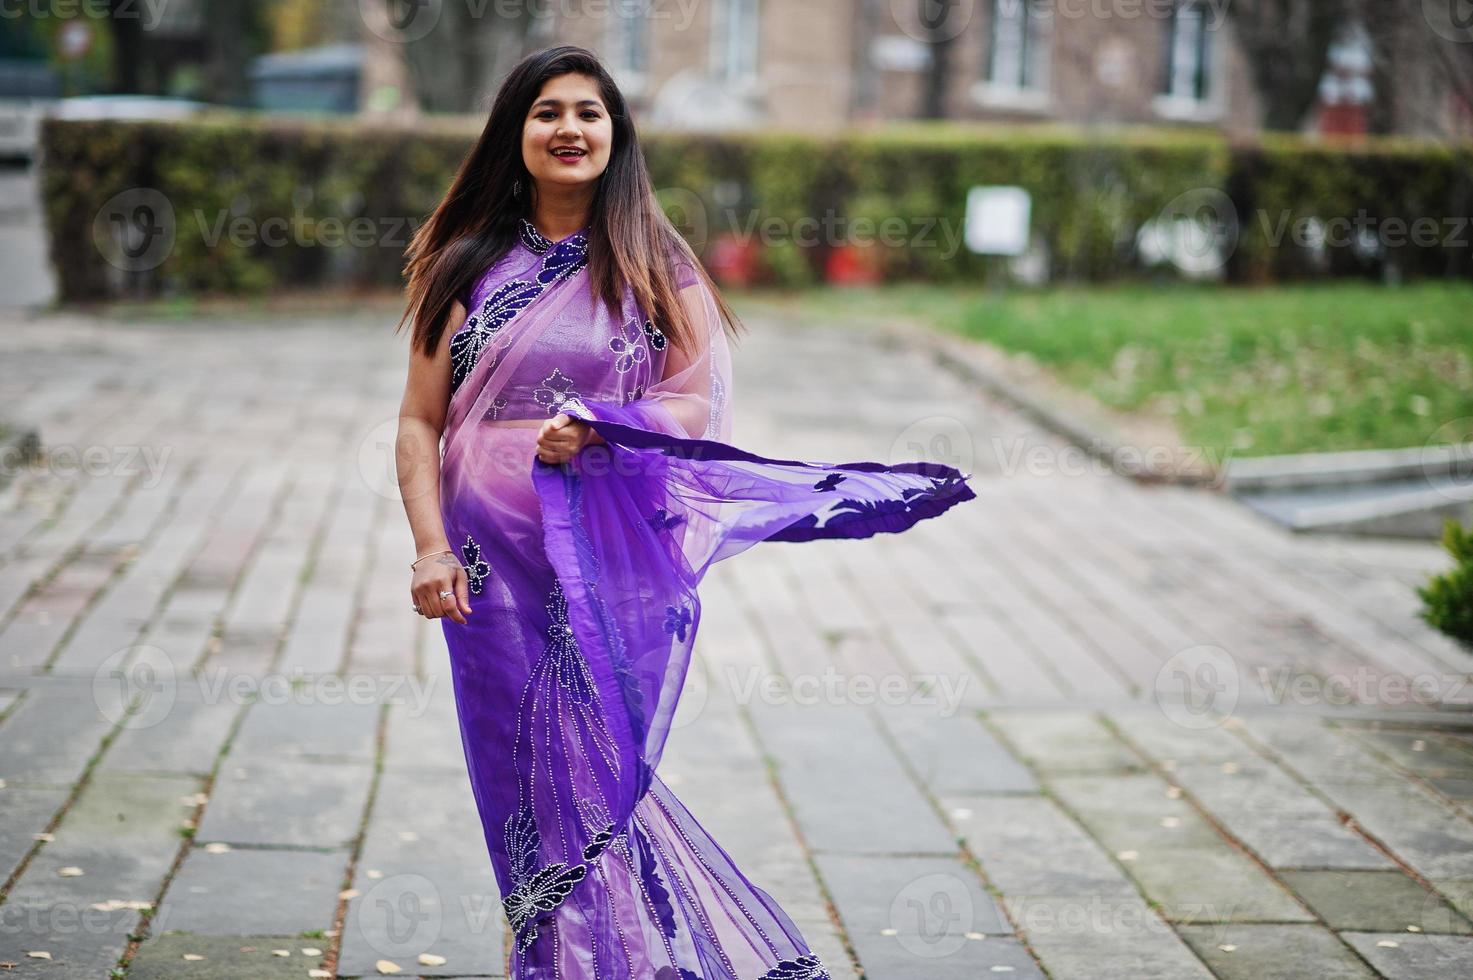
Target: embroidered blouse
x=605, y=359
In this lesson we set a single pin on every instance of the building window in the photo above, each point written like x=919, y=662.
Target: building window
x=1188, y=63
x=1017, y=53
x=1016, y=75
x=628, y=41
x=735, y=40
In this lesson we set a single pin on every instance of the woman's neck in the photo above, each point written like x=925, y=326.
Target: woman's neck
x=557, y=219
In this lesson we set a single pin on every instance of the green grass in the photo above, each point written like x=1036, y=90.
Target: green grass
x=1283, y=369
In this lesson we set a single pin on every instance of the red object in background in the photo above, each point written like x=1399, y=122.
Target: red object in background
x=733, y=262
x=853, y=265
x=1462, y=112
x=1343, y=119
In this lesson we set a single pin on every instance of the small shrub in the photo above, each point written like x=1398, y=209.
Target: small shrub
x=1447, y=599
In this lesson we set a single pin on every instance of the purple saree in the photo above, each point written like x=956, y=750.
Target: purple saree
x=583, y=580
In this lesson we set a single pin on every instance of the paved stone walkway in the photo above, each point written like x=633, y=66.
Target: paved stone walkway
x=1076, y=728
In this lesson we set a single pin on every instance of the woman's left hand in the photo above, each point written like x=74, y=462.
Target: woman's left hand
x=561, y=437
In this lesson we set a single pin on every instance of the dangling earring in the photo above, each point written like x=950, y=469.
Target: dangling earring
x=516, y=188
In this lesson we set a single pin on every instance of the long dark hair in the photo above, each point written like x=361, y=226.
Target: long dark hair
x=630, y=237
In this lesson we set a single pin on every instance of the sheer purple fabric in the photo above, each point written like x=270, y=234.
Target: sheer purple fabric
x=583, y=580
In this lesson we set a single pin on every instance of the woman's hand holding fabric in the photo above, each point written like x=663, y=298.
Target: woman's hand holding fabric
x=562, y=436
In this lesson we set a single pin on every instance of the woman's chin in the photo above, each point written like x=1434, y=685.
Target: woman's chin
x=570, y=177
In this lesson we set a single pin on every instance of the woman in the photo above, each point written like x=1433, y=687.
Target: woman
x=585, y=485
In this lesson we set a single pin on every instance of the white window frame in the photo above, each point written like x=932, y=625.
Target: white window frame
x=1019, y=58
x=627, y=39
x=1193, y=49
x=736, y=42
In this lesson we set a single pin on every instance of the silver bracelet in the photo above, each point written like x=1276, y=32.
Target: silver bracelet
x=423, y=557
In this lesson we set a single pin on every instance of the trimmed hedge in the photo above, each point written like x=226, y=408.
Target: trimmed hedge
x=260, y=202
x=227, y=174
x=1397, y=190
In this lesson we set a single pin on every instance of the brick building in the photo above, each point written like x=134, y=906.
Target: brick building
x=819, y=65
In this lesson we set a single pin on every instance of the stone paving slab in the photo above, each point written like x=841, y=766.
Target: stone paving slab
x=24, y=812
x=1074, y=906
x=924, y=897
x=1427, y=832
x=1081, y=937
x=1280, y=820
x=299, y=804
x=953, y=752
x=1267, y=951
x=121, y=836
x=1165, y=740
x=1460, y=791
x=184, y=737
x=50, y=736
x=1028, y=845
x=1458, y=893
x=1376, y=901
x=1063, y=741
x=422, y=731
x=1320, y=754
x=67, y=943
x=415, y=894
x=253, y=891
x=122, y=832
x=1178, y=858
x=1405, y=956
x=340, y=727
x=1428, y=754
x=224, y=958
x=828, y=791
x=925, y=916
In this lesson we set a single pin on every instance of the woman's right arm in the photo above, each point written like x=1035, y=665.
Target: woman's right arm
x=417, y=463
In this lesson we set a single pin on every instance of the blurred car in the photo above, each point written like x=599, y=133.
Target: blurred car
x=27, y=87
x=124, y=107
x=20, y=116
x=324, y=79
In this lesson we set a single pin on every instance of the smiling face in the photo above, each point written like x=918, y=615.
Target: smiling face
x=568, y=112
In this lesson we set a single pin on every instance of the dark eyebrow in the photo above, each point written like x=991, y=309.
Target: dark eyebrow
x=541, y=102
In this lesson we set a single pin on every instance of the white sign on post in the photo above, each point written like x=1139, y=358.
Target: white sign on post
x=997, y=220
